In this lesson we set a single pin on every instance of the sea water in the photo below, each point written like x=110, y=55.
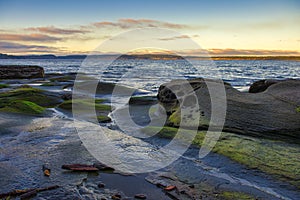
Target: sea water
x=149, y=74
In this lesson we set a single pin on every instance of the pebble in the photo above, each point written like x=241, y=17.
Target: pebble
x=116, y=197
x=101, y=185
x=170, y=188
x=140, y=196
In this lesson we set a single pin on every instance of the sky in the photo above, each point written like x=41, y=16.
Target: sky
x=232, y=27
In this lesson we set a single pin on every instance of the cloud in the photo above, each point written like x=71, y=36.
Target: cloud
x=238, y=52
x=175, y=38
x=12, y=47
x=257, y=52
x=178, y=37
x=28, y=37
x=138, y=23
x=55, y=30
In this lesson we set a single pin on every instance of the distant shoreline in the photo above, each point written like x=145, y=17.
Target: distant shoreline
x=150, y=57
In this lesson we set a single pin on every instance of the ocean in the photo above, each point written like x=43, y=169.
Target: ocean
x=150, y=74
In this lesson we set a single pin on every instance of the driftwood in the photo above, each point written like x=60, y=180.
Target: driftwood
x=80, y=167
x=26, y=193
x=88, y=168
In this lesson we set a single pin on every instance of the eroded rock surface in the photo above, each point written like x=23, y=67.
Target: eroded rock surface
x=274, y=110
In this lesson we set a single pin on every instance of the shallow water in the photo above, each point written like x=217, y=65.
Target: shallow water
x=54, y=141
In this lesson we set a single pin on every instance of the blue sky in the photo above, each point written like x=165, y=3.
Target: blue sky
x=223, y=20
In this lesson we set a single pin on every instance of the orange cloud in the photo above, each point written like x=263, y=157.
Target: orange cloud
x=139, y=23
x=257, y=52
x=12, y=47
x=178, y=37
x=55, y=30
x=238, y=52
x=28, y=37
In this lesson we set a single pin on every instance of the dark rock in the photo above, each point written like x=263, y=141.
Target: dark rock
x=66, y=96
x=116, y=197
x=261, y=85
x=269, y=113
x=140, y=196
x=101, y=185
x=20, y=72
x=160, y=185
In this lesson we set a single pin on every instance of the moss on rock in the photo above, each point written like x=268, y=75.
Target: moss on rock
x=279, y=159
x=230, y=195
x=37, y=96
x=103, y=119
x=3, y=85
x=142, y=100
x=23, y=107
x=83, y=103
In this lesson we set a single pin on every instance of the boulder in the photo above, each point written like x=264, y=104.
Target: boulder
x=273, y=111
x=20, y=72
x=261, y=85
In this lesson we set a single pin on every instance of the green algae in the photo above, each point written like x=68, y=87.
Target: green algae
x=276, y=158
x=84, y=103
x=2, y=85
x=103, y=119
x=23, y=107
x=27, y=93
x=230, y=195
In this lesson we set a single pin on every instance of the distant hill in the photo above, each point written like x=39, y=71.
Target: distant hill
x=48, y=56
x=150, y=57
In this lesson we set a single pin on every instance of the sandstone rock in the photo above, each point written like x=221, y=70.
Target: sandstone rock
x=20, y=72
x=273, y=111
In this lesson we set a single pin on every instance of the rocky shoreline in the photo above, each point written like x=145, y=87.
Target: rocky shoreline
x=268, y=146
x=272, y=110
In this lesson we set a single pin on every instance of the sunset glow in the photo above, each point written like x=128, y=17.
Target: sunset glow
x=237, y=28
